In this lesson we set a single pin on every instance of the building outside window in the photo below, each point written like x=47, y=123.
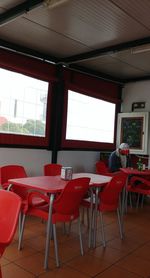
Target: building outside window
x=23, y=103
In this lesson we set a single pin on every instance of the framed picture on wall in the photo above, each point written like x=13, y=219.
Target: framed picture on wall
x=132, y=128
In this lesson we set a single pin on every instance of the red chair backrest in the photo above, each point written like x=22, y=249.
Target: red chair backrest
x=13, y=172
x=101, y=168
x=109, y=197
x=52, y=169
x=10, y=204
x=69, y=200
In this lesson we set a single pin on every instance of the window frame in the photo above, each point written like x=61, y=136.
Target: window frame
x=36, y=69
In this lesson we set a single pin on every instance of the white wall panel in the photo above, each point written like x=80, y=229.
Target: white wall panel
x=32, y=160
x=81, y=161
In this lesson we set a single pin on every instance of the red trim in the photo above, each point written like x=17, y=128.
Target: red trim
x=27, y=65
x=73, y=144
x=20, y=140
x=92, y=86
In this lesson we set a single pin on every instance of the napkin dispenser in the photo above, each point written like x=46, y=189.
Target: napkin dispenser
x=66, y=173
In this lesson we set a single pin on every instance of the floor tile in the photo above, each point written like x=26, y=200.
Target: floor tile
x=143, y=252
x=115, y=272
x=135, y=265
x=37, y=243
x=125, y=245
x=64, y=272
x=34, y=263
x=4, y=261
x=89, y=265
x=12, y=253
x=13, y=271
x=108, y=254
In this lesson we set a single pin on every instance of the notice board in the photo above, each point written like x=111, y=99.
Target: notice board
x=132, y=128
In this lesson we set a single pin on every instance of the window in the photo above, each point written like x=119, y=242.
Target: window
x=23, y=102
x=89, y=119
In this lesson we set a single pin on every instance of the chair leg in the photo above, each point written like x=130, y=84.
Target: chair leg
x=91, y=220
x=64, y=228
x=130, y=198
x=56, y=246
x=126, y=202
x=138, y=199
x=0, y=272
x=102, y=225
x=69, y=228
x=142, y=201
x=88, y=218
x=19, y=224
x=119, y=222
x=80, y=237
x=21, y=232
x=82, y=215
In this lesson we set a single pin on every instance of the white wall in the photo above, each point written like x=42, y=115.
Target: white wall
x=32, y=159
x=81, y=161
x=137, y=92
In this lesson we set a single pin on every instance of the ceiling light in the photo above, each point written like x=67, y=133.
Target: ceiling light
x=54, y=3
x=140, y=49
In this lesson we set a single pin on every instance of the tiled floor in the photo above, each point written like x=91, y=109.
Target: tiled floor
x=129, y=258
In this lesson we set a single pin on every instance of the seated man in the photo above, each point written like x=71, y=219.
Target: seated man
x=120, y=158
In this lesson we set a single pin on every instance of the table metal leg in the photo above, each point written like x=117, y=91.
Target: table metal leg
x=95, y=217
x=91, y=215
x=49, y=226
x=123, y=206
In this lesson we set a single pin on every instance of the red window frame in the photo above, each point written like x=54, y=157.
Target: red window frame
x=36, y=69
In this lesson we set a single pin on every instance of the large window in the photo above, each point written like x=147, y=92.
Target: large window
x=89, y=120
x=23, y=102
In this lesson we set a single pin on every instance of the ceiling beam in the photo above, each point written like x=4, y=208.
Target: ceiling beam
x=96, y=74
x=19, y=10
x=137, y=79
x=28, y=51
x=105, y=51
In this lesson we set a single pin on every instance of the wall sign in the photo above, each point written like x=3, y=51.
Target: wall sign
x=132, y=128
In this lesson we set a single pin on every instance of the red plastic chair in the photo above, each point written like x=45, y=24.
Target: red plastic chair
x=138, y=185
x=13, y=172
x=109, y=200
x=102, y=169
x=10, y=205
x=65, y=208
x=52, y=169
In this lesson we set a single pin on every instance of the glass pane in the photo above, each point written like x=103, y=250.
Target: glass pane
x=23, y=102
x=90, y=119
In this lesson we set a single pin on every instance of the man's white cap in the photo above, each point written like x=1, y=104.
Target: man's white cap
x=124, y=146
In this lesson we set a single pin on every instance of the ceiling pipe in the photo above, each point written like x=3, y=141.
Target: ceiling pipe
x=19, y=10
